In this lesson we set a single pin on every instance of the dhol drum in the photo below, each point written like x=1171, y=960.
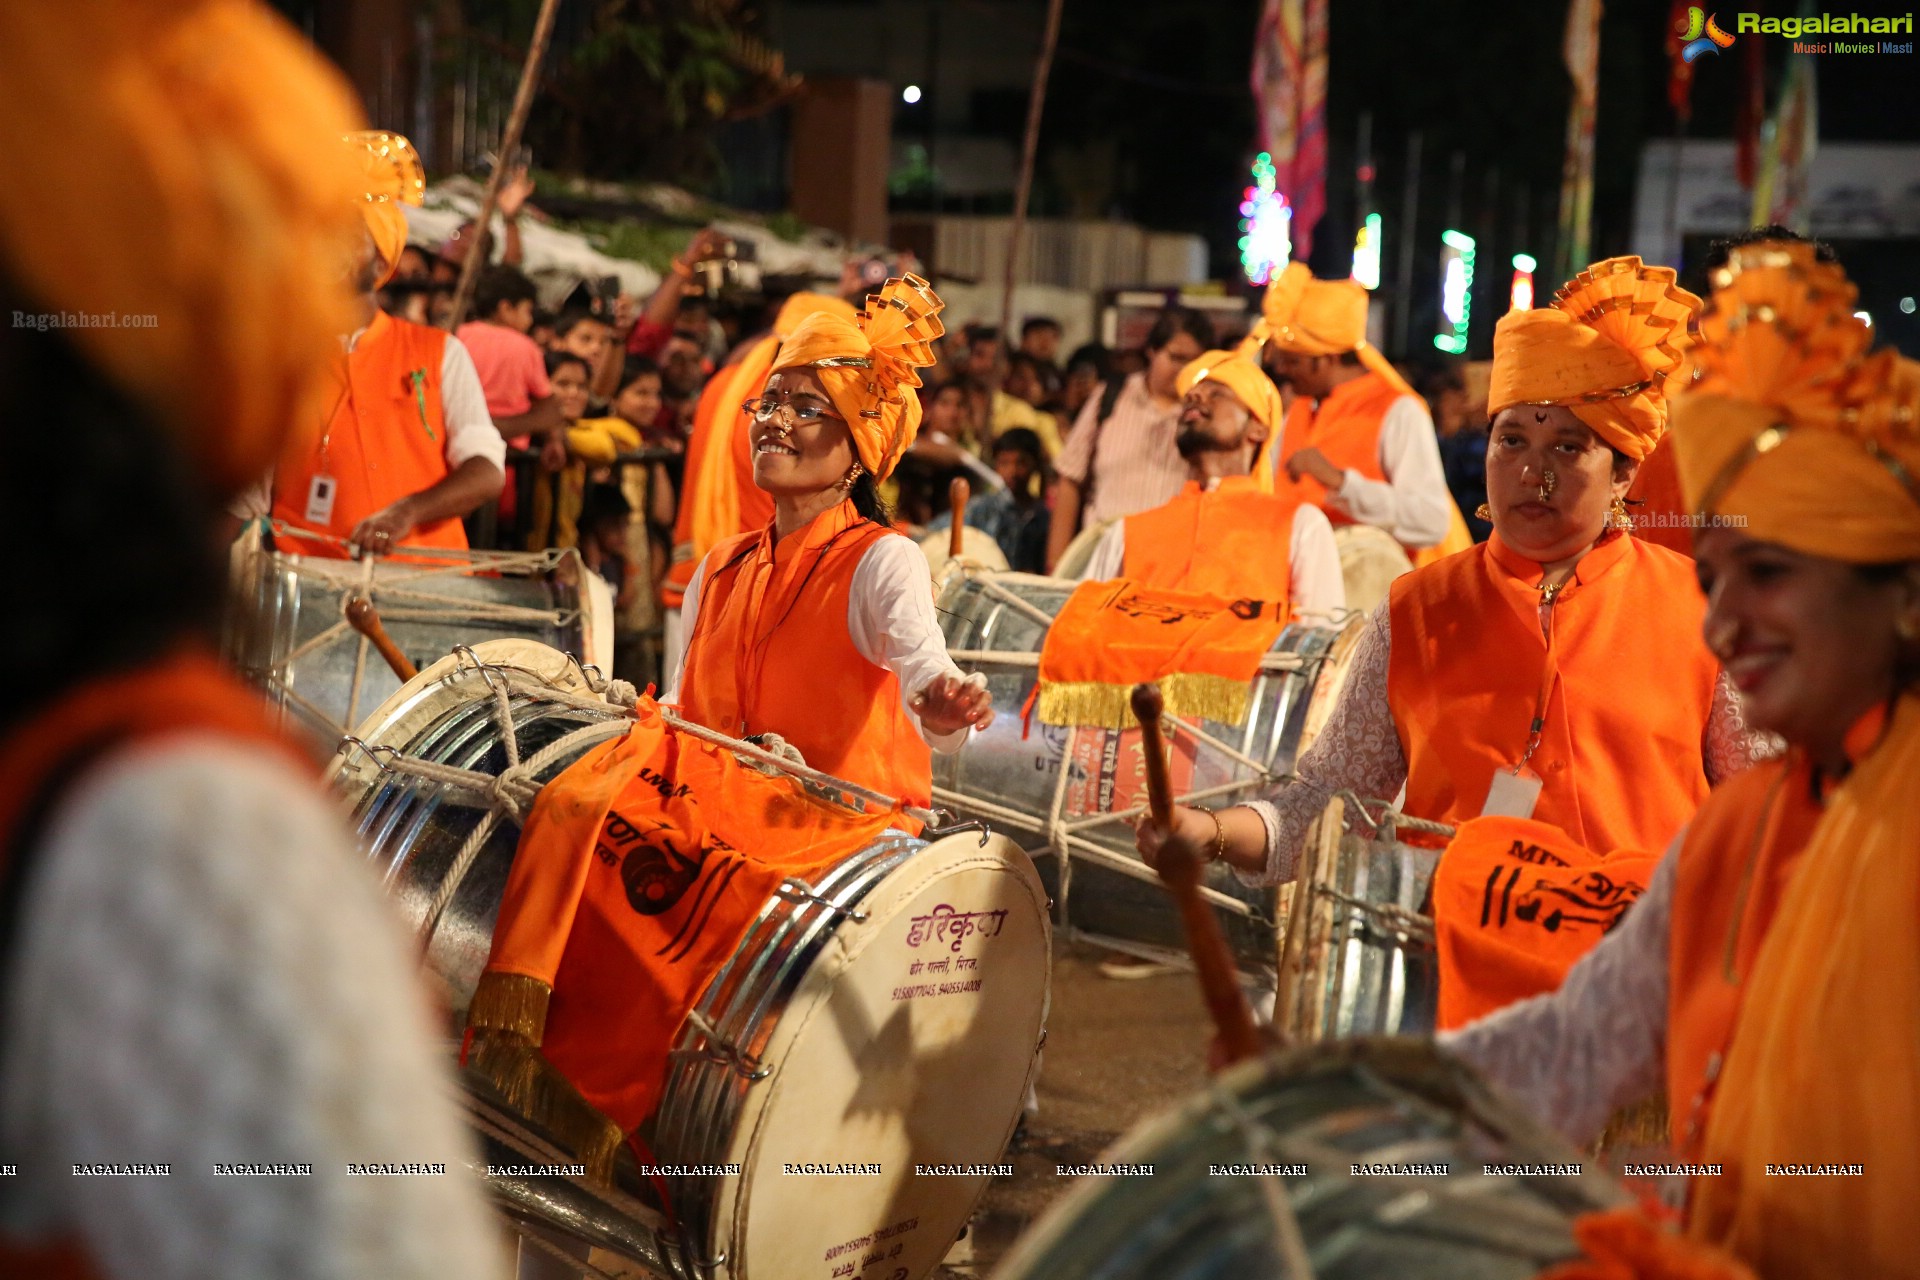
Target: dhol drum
x=848, y=1075
x=1369, y=562
x=1067, y=792
x=286, y=626
x=1358, y=955
x=1350, y=1161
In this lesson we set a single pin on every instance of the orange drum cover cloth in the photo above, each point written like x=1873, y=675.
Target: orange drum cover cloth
x=1515, y=903
x=1204, y=652
x=1627, y=1244
x=639, y=871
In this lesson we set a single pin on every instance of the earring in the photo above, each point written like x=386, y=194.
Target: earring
x=1485, y=512
x=853, y=475
x=1617, y=517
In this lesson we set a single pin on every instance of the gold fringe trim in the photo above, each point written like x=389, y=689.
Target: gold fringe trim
x=535, y=1088
x=510, y=1002
x=1109, y=706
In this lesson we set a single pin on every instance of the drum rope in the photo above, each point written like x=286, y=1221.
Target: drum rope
x=1007, y=597
x=1410, y=926
x=1390, y=819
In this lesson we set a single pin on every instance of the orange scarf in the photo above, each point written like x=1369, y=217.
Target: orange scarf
x=1822, y=1069
x=1515, y=904
x=1232, y=540
x=639, y=871
x=1202, y=650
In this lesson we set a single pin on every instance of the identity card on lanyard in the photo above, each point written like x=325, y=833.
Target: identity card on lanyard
x=1516, y=791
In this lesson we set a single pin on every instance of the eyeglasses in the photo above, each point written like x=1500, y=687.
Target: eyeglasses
x=764, y=408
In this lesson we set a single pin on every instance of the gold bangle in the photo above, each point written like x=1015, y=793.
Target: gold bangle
x=1219, y=837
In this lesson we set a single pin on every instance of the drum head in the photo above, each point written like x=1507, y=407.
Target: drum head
x=975, y=545
x=910, y=1041
x=1332, y=679
x=1079, y=553
x=1369, y=562
x=1327, y=1120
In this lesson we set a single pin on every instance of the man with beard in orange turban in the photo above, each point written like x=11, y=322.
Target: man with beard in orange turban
x=196, y=967
x=1228, y=533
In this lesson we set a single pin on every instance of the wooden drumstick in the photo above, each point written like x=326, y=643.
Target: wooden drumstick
x=1181, y=874
x=362, y=618
x=957, y=494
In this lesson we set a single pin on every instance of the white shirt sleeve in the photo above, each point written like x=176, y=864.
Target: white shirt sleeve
x=1599, y=1043
x=1412, y=502
x=207, y=972
x=470, y=429
x=1317, y=585
x=676, y=663
x=892, y=623
x=1109, y=554
x=1358, y=750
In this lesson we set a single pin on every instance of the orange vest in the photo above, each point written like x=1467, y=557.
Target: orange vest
x=181, y=693
x=1657, y=491
x=385, y=438
x=1231, y=541
x=1344, y=426
x=770, y=652
x=1620, y=754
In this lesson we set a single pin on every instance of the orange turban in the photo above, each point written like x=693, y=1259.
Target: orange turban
x=870, y=366
x=801, y=305
x=1240, y=372
x=1605, y=349
x=1310, y=317
x=394, y=177
x=1791, y=425
x=178, y=162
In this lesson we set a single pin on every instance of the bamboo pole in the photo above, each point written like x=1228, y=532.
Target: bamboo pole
x=509, y=143
x=1036, y=103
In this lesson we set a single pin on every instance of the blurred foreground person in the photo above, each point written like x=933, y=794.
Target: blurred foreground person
x=214, y=1059
x=1770, y=976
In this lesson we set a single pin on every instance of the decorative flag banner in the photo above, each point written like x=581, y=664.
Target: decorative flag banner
x=1203, y=651
x=1289, y=81
x=1787, y=144
x=1582, y=52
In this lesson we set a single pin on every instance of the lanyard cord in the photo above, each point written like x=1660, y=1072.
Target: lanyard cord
x=1549, y=672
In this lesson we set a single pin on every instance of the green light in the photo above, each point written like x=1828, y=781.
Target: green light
x=1457, y=240
x=1450, y=344
x=1524, y=262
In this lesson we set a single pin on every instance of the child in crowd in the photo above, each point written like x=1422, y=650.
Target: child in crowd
x=1016, y=517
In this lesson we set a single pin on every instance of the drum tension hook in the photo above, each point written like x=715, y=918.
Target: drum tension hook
x=955, y=828
x=379, y=753
x=485, y=669
x=720, y=1049
x=794, y=889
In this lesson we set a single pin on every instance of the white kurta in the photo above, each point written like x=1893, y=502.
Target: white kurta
x=890, y=619
x=1413, y=502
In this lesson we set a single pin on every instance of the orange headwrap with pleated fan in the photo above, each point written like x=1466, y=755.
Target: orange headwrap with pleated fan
x=1606, y=349
x=1791, y=426
x=870, y=368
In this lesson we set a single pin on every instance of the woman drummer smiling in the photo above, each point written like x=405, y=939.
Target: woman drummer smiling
x=1555, y=671
x=820, y=628
x=1770, y=976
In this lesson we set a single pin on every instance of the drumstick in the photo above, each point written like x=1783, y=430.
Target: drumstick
x=957, y=493
x=1181, y=874
x=362, y=618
